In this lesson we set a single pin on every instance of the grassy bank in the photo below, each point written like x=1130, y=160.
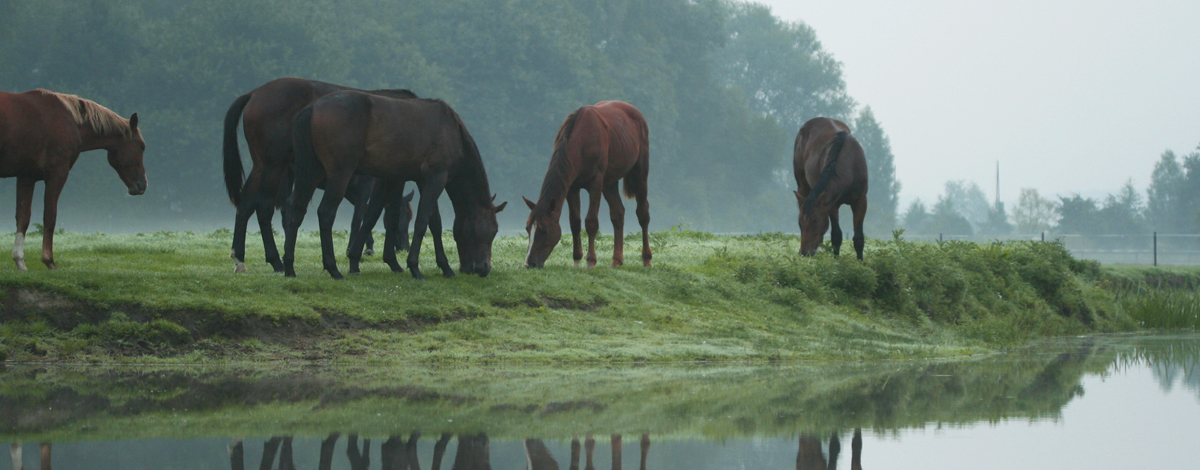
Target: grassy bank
x=173, y=297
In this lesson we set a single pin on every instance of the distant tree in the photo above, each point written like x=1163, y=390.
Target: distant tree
x=1033, y=213
x=1078, y=215
x=945, y=219
x=1173, y=198
x=883, y=195
x=968, y=200
x=916, y=219
x=997, y=222
x=1122, y=212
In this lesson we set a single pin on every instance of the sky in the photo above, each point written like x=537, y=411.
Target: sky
x=1068, y=96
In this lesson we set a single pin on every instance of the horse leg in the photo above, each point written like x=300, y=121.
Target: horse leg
x=237, y=455
x=835, y=231
x=431, y=189
x=573, y=215
x=589, y=447
x=270, y=448
x=859, y=209
x=285, y=455
x=592, y=223
x=856, y=450
x=294, y=216
x=374, y=207
x=54, y=186
x=335, y=190
x=245, y=209
x=643, y=215
x=24, y=208
x=358, y=192
x=645, y=450
x=326, y=458
x=44, y=450
x=574, y=454
x=615, y=440
x=435, y=229
x=616, y=211
x=266, y=212
x=439, y=451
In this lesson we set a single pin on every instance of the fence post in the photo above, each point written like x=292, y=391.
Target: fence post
x=1156, y=248
x=939, y=237
x=1043, y=236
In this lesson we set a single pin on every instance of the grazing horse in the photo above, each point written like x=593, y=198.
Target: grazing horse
x=595, y=148
x=830, y=171
x=41, y=136
x=268, y=112
x=395, y=140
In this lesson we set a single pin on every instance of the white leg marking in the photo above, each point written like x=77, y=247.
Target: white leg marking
x=238, y=266
x=19, y=251
x=15, y=451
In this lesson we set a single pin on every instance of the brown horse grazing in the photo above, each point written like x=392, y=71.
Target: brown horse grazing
x=830, y=171
x=268, y=112
x=595, y=148
x=41, y=136
x=394, y=140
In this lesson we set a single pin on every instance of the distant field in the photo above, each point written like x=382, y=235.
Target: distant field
x=173, y=297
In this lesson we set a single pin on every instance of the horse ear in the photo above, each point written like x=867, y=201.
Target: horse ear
x=799, y=198
x=409, y=196
x=529, y=203
x=133, y=120
x=501, y=206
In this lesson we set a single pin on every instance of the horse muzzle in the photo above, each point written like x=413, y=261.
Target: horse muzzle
x=137, y=188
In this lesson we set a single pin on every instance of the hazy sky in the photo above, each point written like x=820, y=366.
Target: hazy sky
x=1069, y=96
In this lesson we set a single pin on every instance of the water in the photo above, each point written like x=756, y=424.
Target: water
x=1107, y=402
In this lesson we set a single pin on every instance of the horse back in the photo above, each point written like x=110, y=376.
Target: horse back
x=33, y=126
x=809, y=155
x=625, y=134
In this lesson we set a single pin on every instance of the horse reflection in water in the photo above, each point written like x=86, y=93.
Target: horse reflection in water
x=395, y=453
x=811, y=457
x=18, y=461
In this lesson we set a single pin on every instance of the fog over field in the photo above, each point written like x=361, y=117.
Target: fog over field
x=1071, y=99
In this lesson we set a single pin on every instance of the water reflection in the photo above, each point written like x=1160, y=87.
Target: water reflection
x=548, y=418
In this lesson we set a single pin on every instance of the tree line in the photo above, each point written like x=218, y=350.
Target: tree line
x=1171, y=205
x=725, y=85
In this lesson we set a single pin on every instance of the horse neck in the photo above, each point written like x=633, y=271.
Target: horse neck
x=468, y=187
x=89, y=139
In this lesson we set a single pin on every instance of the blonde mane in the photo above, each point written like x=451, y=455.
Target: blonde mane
x=100, y=119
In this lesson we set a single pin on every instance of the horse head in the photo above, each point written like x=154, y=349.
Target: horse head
x=814, y=221
x=474, y=233
x=126, y=157
x=544, y=232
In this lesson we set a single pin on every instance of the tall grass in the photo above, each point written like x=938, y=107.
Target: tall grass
x=1158, y=308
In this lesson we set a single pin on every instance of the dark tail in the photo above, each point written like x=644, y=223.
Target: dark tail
x=636, y=184
x=307, y=167
x=234, y=174
x=835, y=148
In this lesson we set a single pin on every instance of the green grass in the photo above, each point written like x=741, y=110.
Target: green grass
x=173, y=296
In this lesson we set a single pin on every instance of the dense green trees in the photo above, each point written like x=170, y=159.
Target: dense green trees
x=883, y=195
x=725, y=86
x=1173, y=199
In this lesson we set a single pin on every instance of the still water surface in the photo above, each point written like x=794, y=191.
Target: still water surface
x=1108, y=402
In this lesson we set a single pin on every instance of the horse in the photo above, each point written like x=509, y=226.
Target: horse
x=268, y=112
x=41, y=136
x=830, y=171
x=595, y=148
x=394, y=140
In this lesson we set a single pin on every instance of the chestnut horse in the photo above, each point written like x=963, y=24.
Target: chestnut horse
x=269, y=111
x=830, y=171
x=41, y=136
x=395, y=140
x=595, y=148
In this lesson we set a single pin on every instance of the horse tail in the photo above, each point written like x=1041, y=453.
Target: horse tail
x=234, y=174
x=302, y=143
x=835, y=148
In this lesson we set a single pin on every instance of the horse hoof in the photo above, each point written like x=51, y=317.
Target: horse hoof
x=418, y=276
x=239, y=268
x=448, y=273
x=369, y=252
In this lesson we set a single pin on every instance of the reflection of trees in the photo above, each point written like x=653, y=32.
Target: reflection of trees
x=1170, y=361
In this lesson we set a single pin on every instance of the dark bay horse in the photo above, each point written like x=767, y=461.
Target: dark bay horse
x=595, y=148
x=395, y=140
x=41, y=136
x=268, y=112
x=830, y=171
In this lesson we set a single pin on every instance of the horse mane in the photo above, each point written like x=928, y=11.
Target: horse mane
x=827, y=173
x=477, y=176
x=556, y=177
x=87, y=112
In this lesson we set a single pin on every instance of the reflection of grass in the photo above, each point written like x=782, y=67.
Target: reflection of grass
x=713, y=401
x=707, y=297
